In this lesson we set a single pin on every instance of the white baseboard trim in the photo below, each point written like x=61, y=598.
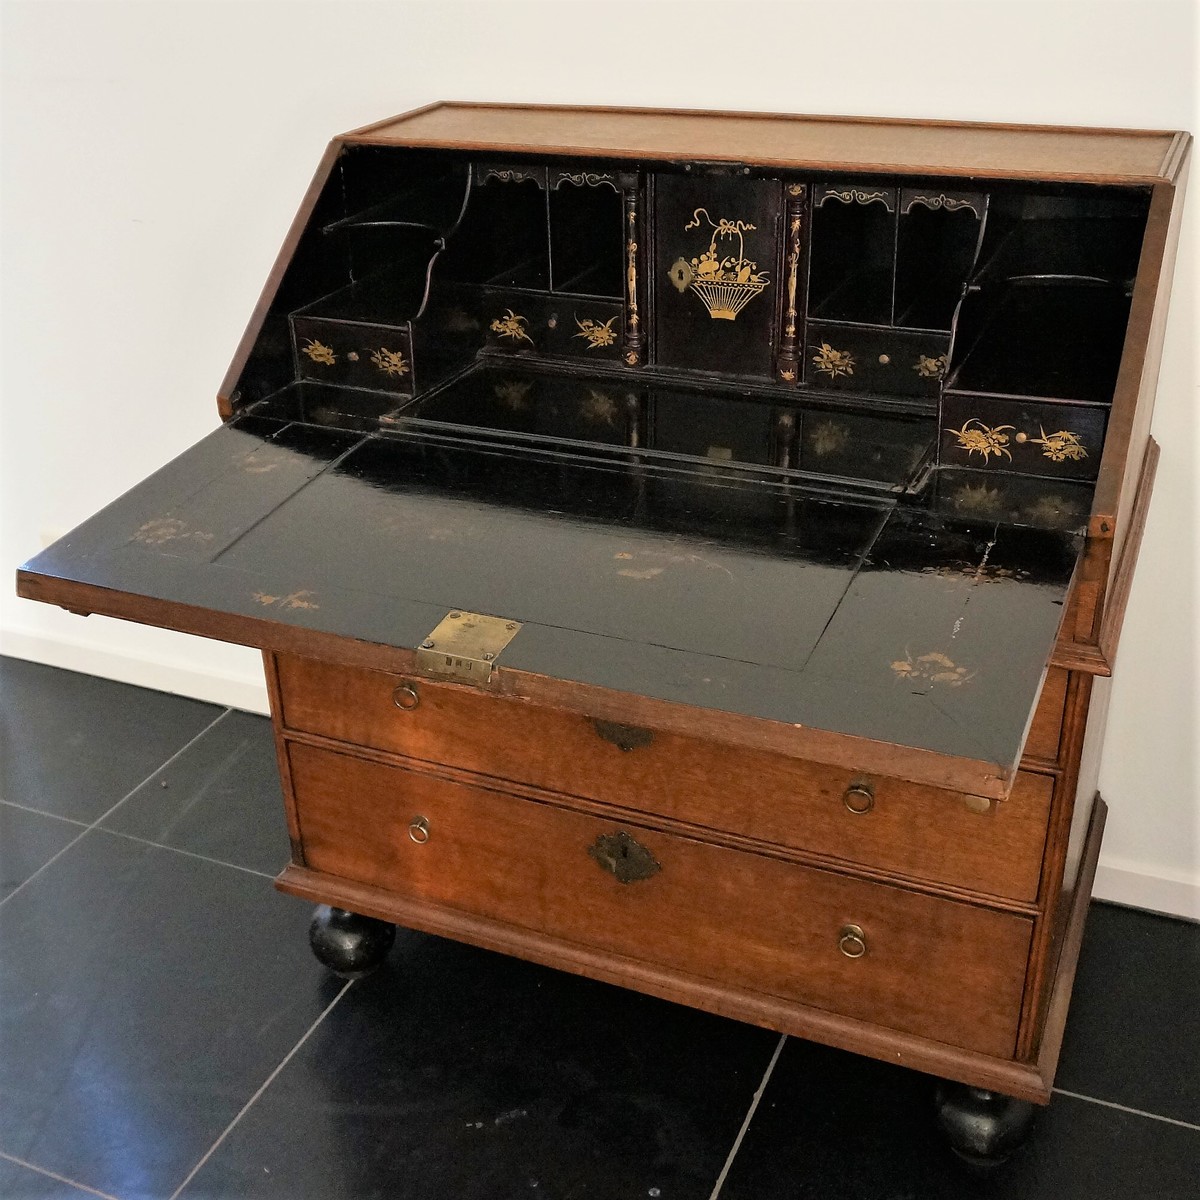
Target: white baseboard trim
x=1155, y=888
x=213, y=687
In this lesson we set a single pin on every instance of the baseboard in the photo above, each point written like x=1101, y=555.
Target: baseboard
x=214, y=687
x=1139, y=886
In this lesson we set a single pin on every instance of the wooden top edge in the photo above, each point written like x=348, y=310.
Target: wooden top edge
x=1176, y=156
x=756, y=114
x=792, y=140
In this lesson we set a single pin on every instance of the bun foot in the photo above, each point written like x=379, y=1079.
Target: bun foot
x=348, y=944
x=983, y=1128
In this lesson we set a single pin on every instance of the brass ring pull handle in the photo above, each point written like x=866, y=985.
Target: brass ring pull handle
x=859, y=798
x=852, y=942
x=623, y=857
x=418, y=830
x=406, y=697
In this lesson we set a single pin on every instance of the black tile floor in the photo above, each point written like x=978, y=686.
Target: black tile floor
x=165, y=1032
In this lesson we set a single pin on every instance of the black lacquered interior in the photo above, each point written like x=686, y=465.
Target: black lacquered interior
x=814, y=451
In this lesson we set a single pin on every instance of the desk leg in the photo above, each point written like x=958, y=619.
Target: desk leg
x=348, y=944
x=982, y=1127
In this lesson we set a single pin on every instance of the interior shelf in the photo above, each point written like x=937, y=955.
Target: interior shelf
x=1095, y=248
x=1048, y=340
x=392, y=297
x=436, y=204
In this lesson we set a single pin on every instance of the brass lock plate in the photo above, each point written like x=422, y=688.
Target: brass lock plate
x=464, y=646
x=622, y=856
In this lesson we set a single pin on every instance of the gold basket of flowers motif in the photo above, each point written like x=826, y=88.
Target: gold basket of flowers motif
x=725, y=283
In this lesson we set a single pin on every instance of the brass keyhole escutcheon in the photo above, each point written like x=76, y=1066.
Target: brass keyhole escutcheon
x=859, y=798
x=625, y=737
x=406, y=697
x=418, y=830
x=852, y=942
x=624, y=858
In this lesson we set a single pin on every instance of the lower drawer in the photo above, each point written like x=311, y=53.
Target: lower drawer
x=886, y=825
x=932, y=967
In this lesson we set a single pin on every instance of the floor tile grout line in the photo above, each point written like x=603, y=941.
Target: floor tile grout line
x=113, y=808
x=1125, y=1108
x=219, y=862
x=83, y=1187
x=737, y=1141
x=266, y=1083
x=41, y=812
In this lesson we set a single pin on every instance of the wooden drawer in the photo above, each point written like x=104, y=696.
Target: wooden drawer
x=354, y=354
x=912, y=831
x=518, y=322
x=933, y=967
x=1046, y=731
x=1011, y=434
x=856, y=358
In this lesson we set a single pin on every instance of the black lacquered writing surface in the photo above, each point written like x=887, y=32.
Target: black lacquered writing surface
x=852, y=613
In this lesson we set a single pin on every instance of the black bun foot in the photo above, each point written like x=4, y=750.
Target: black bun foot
x=983, y=1128
x=348, y=944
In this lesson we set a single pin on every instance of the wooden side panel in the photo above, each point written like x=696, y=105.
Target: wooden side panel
x=270, y=668
x=1133, y=402
x=1046, y=731
x=225, y=397
x=1054, y=897
x=932, y=967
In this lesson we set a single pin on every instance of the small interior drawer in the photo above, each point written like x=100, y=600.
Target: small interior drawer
x=880, y=823
x=862, y=359
x=932, y=967
x=1061, y=441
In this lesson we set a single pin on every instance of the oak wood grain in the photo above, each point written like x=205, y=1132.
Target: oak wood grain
x=932, y=967
x=788, y=141
x=921, y=833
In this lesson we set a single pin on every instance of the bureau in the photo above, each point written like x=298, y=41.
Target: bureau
x=689, y=550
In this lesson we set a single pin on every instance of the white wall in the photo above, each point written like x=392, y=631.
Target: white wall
x=154, y=153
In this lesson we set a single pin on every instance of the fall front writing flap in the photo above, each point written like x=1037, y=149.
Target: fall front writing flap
x=814, y=611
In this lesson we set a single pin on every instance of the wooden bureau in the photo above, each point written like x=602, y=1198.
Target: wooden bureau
x=687, y=550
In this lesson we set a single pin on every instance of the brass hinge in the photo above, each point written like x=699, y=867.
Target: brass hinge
x=465, y=645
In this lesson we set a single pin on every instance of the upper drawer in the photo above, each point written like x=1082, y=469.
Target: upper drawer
x=917, y=832
x=936, y=968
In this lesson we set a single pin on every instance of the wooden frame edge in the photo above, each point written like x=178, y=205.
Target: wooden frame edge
x=1055, y=1022
x=290, y=808
x=1117, y=600
x=845, y=1033
x=405, y=116
x=976, y=777
x=225, y=396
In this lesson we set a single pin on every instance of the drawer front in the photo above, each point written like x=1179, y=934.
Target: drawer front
x=888, y=362
x=918, y=832
x=932, y=967
x=378, y=357
x=1045, y=733
x=1057, y=440
x=560, y=325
